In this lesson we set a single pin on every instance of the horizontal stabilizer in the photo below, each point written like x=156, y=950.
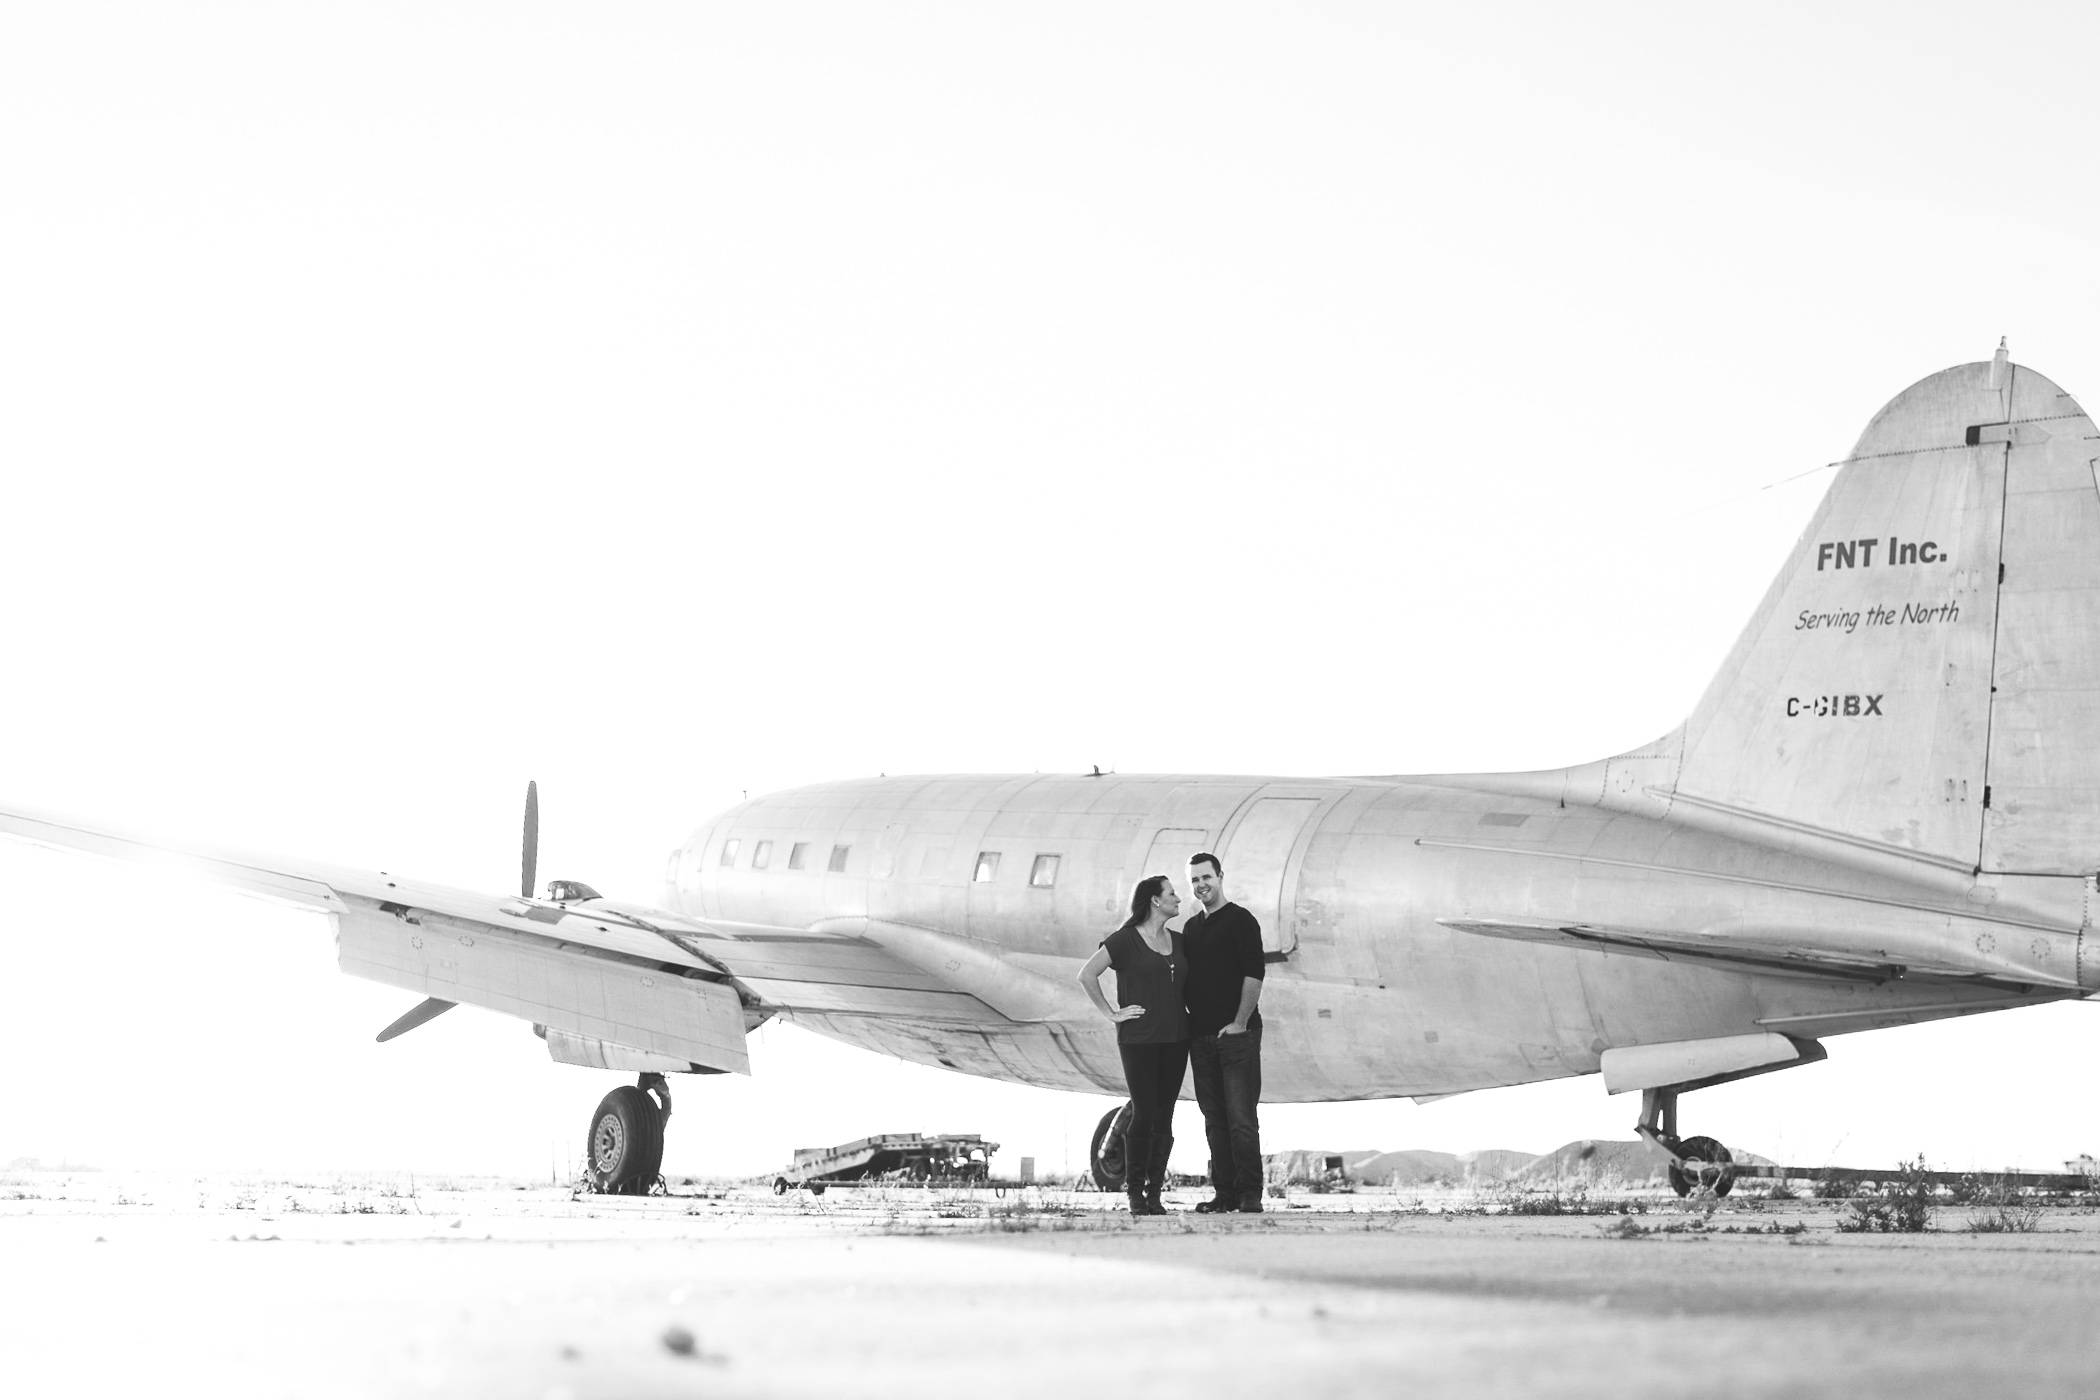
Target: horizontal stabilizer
x=1774, y=958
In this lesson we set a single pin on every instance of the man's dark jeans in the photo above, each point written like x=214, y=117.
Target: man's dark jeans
x=1227, y=1071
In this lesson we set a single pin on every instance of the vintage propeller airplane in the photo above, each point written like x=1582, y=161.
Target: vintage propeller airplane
x=1884, y=810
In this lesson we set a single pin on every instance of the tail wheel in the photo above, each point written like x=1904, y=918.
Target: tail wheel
x=1106, y=1153
x=1702, y=1165
x=625, y=1146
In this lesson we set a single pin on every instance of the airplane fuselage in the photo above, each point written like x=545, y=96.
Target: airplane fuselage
x=1368, y=994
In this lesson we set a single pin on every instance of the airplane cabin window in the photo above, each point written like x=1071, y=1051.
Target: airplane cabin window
x=1044, y=875
x=798, y=855
x=987, y=866
x=838, y=858
x=729, y=852
x=761, y=855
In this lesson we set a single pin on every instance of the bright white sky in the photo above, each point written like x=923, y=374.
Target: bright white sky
x=668, y=401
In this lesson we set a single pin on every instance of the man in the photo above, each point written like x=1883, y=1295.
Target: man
x=1226, y=966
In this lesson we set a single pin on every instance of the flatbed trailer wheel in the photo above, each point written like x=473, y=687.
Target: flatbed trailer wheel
x=1703, y=1165
x=625, y=1146
x=1105, y=1155
x=780, y=1186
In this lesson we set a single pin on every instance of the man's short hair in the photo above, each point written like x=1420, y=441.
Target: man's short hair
x=1216, y=864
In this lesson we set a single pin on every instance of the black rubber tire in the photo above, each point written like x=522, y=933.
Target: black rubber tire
x=1719, y=1169
x=650, y=1169
x=624, y=1148
x=780, y=1186
x=816, y=1188
x=1105, y=1154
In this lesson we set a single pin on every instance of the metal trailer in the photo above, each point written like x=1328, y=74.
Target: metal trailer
x=941, y=1159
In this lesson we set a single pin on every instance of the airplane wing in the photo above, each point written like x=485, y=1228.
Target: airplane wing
x=592, y=973
x=827, y=969
x=1775, y=956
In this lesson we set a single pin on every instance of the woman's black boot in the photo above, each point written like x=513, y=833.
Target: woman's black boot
x=1137, y=1158
x=1156, y=1175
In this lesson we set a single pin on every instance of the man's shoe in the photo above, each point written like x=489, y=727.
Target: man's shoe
x=1250, y=1205
x=1220, y=1206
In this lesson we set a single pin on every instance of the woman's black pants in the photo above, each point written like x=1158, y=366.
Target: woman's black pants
x=1154, y=1074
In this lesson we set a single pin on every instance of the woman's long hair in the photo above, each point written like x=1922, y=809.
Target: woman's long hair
x=1148, y=889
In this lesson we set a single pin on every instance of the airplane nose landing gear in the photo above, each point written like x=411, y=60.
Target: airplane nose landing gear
x=1699, y=1166
x=624, y=1150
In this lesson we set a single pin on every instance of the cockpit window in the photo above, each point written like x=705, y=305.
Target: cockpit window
x=838, y=858
x=1044, y=874
x=987, y=866
x=729, y=849
x=762, y=855
x=798, y=855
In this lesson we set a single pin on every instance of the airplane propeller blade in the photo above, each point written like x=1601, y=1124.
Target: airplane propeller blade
x=429, y=1009
x=532, y=838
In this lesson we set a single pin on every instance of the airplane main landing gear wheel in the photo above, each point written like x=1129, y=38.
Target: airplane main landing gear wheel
x=625, y=1147
x=1703, y=1165
x=1105, y=1155
x=1698, y=1165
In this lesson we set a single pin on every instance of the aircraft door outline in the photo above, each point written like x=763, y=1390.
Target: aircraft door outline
x=1169, y=854
x=1261, y=851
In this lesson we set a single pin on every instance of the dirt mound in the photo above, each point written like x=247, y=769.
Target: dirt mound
x=1419, y=1167
x=1588, y=1161
x=1591, y=1160
x=1497, y=1163
x=1310, y=1164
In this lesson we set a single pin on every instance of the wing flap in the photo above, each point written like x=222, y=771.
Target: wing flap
x=835, y=972
x=692, y=1018
x=833, y=998
x=816, y=959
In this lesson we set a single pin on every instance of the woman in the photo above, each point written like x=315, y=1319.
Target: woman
x=1152, y=1030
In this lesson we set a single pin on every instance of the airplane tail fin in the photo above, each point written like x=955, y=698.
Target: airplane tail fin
x=1923, y=677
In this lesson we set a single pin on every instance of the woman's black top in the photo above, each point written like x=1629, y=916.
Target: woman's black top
x=1145, y=978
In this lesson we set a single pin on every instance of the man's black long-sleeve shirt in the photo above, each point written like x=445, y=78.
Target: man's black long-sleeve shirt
x=1223, y=949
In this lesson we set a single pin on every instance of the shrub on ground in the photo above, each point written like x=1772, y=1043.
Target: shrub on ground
x=1902, y=1204
x=2003, y=1207
x=1835, y=1188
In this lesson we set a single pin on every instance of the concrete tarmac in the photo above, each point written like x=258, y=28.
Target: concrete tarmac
x=380, y=1287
